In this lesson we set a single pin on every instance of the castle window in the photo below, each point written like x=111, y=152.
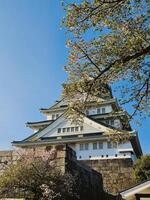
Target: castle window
x=86, y=146
x=59, y=130
x=95, y=145
x=109, y=145
x=100, y=145
x=57, y=115
x=53, y=117
x=103, y=110
x=112, y=122
x=77, y=128
x=64, y=130
x=72, y=129
x=115, y=145
x=98, y=110
x=68, y=129
x=107, y=122
x=81, y=147
x=81, y=128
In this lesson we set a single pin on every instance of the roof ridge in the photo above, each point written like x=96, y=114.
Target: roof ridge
x=57, y=102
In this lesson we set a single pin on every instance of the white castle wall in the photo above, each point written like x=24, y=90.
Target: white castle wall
x=54, y=115
x=64, y=124
x=93, y=111
x=105, y=153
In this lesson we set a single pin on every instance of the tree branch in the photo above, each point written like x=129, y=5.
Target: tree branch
x=115, y=2
x=146, y=83
x=118, y=61
x=88, y=57
x=125, y=60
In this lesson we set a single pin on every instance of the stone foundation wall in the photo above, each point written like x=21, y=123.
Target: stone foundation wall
x=117, y=173
x=89, y=181
x=6, y=158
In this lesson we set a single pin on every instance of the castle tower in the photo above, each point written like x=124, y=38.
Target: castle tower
x=91, y=141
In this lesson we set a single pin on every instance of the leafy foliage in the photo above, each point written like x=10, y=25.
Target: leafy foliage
x=36, y=178
x=142, y=169
x=109, y=42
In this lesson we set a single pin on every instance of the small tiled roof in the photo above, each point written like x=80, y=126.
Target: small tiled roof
x=55, y=106
x=39, y=123
x=62, y=139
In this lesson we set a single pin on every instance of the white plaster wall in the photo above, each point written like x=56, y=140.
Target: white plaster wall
x=93, y=111
x=89, y=129
x=49, y=115
x=35, y=130
x=97, y=154
x=117, y=123
x=126, y=145
x=66, y=123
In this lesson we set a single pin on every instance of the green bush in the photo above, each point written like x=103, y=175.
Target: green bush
x=142, y=169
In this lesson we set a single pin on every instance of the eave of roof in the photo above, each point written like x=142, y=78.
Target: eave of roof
x=48, y=110
x=62, y=140
x=135, y=189
x=136, y=144
x=63, y=107
x=55, y=104
x=30, y=124
x=54, y=107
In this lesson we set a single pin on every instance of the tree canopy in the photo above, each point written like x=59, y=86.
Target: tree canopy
x=109, y=43
x=142, y=169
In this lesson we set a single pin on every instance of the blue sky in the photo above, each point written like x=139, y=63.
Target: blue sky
x=32, y=57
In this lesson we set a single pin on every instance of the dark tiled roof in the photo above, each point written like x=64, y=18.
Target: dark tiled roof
x=39, y=122
x=63, y=139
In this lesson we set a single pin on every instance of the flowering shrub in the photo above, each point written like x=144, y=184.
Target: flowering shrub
x=34, y=176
